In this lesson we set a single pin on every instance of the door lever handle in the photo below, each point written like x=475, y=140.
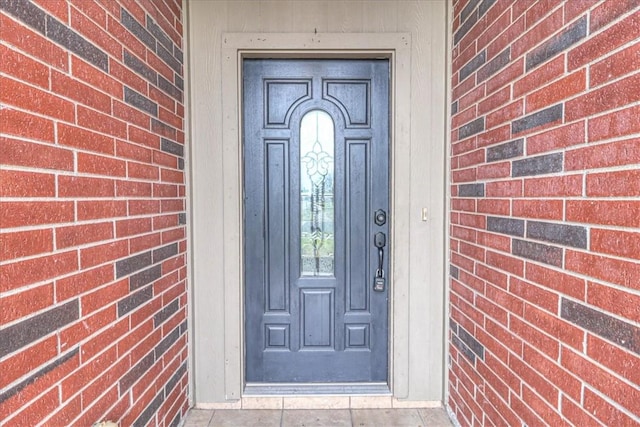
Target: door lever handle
x=379, y=240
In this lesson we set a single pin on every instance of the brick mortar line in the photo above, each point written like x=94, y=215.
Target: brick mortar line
x=93, y=221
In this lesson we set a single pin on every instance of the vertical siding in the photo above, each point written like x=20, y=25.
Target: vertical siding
x=426, y=22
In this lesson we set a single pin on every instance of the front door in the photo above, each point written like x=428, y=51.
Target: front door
x=316, y=225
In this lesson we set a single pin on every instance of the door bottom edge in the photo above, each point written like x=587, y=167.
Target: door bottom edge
x=315, y=389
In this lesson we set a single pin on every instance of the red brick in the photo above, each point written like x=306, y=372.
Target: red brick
x=610, y=299
x=23, y=68
x=92, y=10
x=464, y=117
x=615, y=242
x=540, y=209
x=167, y=175
x=535, y=380
x=58, y=9
x=165, y=190
x=76, y=235
x=149, y=241
x=162, y=98
x=161, y=158
x=611, y=184
x=96, y=345
x=101, y=122
x=608, y=269
x=143, y=137
x=135, y=336
x=30, y=98
x=506, y=76
x=497, y=100
x=25, y=243
x=538, y=77
x=15, y=183
x=494, y=136
x=620, y=123
x=174, y=205
x=566, y=382
x=534, y=294
x=573, y=9
x=170, y=118
x=130, y=227
x=78, y=186
x=559, y=137
x=609, y=97
x=537, y=34
x=562, y=89
x=88, y=326
x=557, y=186
x=36, y=411
x=96, y=77
x=504, y=299
x=617, y=35
x=464, y=57
x=506, y=263
x=81, y=138
x=32, y=43
x=83, y=282
x=95, y=34
x=463, y=87
x=128, y=77
x=19, y=214
x=617, y=153
x=25, y=125
x=624, y=213
x=463, y=146
x=101, y=209
x=576, y=414
x=506, y=38
x=492, y=276
x=100, y=254
x=143, y=207
x=505, y=114
x=618, y=391
x=494, y=29
x=504, y=188
x=100, y=165
x=80, y=92
x=620, y=63
x=130, y=115
x=25, y=303
x=103, y=297
x=554, y=326
x=142, y=171
x=133, y=151
x=471, y=283
x=556, y=280
x=618, y=360
x=495, y=241
x=87, y=372
x=18, y=274
x=545, y=410
x=173, y=235
x=494, y=206
x=133, y=189
x=611, y=415
x=492, y=310
x=465, y=175
x=543, y=342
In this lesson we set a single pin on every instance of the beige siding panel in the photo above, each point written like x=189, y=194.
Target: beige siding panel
x=418, y=345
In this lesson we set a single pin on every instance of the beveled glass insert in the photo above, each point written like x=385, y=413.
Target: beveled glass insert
x=316, y=194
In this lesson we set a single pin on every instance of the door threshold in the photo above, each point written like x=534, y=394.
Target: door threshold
x=315, y=389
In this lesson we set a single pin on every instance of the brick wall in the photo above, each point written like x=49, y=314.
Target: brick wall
x=92, y=250
x=545, y=212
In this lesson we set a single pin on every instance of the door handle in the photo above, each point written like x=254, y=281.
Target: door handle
x=379, y=240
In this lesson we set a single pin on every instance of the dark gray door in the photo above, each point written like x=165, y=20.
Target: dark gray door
x=316, y=189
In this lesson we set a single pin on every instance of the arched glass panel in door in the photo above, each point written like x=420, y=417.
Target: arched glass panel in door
x=317, y=146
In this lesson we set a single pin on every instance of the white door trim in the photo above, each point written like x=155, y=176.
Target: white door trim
x=237, y=46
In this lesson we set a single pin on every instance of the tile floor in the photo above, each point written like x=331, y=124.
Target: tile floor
x=317, y=417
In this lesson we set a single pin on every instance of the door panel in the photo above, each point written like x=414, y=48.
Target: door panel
x=316, y=156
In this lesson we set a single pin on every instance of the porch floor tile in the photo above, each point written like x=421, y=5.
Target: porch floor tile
x=317, y=417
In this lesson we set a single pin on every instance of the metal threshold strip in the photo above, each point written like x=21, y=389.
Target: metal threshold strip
x=297, y=389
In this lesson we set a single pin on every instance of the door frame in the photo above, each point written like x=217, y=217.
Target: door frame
x=393, y=46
